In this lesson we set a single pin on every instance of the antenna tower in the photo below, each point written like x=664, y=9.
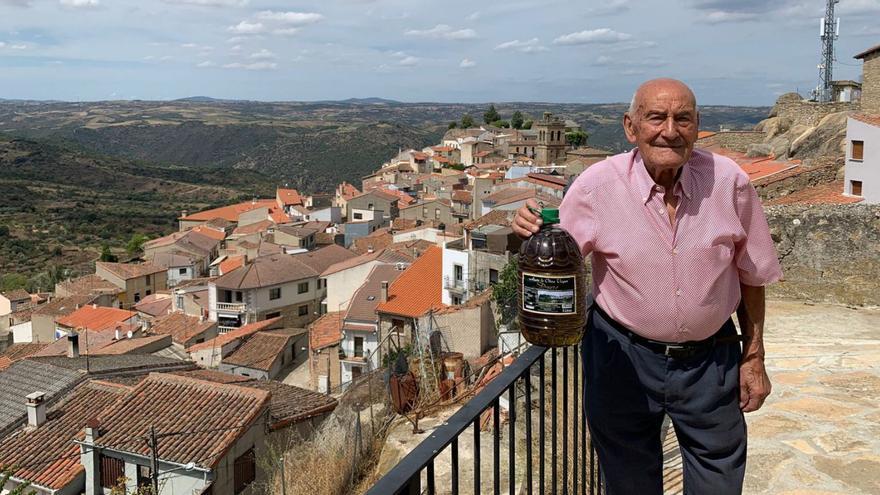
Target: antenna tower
x=829, y=30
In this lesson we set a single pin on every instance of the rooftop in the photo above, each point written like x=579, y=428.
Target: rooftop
x=238, y=333
x=231, y=263
x=154, y=305
x=382, y=255
x=363, y=303
x=212, y=424
x=872, y=119
x=128, y=271
x=26, y=377
x=418, y=289
x=288, y=197
x=180, y=326
x=823, y=194
x=869, y=51
x=88, y=284
x=47, y=454
x=17, y=295
x=321, y=259
x=260, y=350
x=97, y=318
x=326, y=330
x=230, y=213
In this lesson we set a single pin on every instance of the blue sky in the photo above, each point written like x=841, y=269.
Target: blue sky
x=743, y=52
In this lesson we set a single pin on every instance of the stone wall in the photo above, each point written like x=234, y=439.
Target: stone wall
x=871, y=84
x=737, y=140
x=782, y=184
x=795, y=111
x=829, y=253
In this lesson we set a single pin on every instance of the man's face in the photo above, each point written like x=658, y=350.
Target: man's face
x=664, y=125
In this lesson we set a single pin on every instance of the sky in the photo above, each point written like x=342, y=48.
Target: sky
x=745, y=52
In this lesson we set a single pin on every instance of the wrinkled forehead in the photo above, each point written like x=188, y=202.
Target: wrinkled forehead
x=666, y=97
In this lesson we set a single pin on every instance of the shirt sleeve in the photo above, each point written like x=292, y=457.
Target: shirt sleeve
x=576, y=217
x=755, y=256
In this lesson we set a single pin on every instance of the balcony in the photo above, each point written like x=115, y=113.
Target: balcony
x=547, y=447
x=451, y=283
x=232, y=307
x=221, y=329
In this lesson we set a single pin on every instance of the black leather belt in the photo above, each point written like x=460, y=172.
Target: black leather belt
x=678, y=350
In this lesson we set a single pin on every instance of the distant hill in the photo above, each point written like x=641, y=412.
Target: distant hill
x=59, y=204
x=310, y=145
x=198, y=99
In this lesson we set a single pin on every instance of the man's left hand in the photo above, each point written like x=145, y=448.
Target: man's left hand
x=754, y=384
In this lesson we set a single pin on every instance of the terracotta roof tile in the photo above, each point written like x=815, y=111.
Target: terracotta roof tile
x=510, y=195
x=238, y=333
x=254, y=228
x=215, y=415
x=462, y=196
x=136, y=345
x=231, y=263
x=867, y=52
x=89, y=284
x=873, y=119
x=48, y=454
x=321, y=259
x=289, y=197
x=154, y=305
x=362, y=306
x=16, y=295
x=23, y=350
x=822, y=194
x=756, y=167
x=181, y=327
x=217, y=235
x=418, y=289
x=128, y=271
x=326, y=330
x=260, y=350
x=97, y=318
x=230, y=213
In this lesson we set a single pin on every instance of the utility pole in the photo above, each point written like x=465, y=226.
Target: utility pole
x=283, y=478
x=154, y=468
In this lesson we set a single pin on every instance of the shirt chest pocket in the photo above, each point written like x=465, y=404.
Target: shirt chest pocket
x=704, y=270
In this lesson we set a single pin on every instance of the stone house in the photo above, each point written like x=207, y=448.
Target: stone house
x=325, y=335
x=364, y=206
x=436, y=211
x=135, y=280
x=12, y=301
x=342, y=279
x=862, y=169
x=263, y=355
x=870, y=100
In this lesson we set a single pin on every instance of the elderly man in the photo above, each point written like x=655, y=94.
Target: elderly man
x=679, y=242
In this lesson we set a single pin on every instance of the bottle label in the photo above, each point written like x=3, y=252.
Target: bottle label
x=548, y=294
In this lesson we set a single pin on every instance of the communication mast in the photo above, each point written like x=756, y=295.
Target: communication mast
x=829, y=30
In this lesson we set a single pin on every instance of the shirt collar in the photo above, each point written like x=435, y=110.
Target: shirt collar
x=645, y=185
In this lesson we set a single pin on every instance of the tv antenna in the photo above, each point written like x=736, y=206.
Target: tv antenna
x=829, y=30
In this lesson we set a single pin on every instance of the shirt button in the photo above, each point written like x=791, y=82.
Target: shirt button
x=678, y=292
x=660, y=211
x=674, y=251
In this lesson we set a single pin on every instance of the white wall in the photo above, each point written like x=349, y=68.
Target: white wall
x=452, y=257
x=22, y=333
x=868, y=169
x=342, y=285
x=429, y=234
x=366, y=215
x=175, y=277
x=331, y=214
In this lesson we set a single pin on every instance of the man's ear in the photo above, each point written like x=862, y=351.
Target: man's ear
x=698, y=120
x=629, y=128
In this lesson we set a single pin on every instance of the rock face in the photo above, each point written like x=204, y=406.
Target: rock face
x=805, y=130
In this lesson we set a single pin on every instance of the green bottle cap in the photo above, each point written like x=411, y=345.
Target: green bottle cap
x=550, y=216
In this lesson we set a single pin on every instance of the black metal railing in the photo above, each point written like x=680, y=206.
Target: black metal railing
x=572, y=465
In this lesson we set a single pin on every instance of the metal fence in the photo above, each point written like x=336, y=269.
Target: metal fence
x=547, y=443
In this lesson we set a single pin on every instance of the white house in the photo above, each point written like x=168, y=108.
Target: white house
x=862, y=171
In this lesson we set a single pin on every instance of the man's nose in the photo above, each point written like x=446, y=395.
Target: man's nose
x=669, y=129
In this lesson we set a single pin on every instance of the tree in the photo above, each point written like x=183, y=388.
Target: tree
x=4, y=231
x=527, y=124
x=501, y=123
x=467, y=121
x=516, y=121
x=491, y=115
x=505, y=293
x=576, y=138
x=452, y=125
x=7, y=473
x=136, y=243
x=107, y=255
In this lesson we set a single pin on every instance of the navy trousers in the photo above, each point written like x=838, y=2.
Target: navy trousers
x=629, y=389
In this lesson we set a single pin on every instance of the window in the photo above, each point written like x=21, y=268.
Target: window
x=493, y=276
x=112, y=470
x=458, y=271
x=319, y=283
x=855, y=187
x=276, y=314
x=239, y=296
x=370, y=206
x=149, y=292
x=358, y=347
x=144, y=476
x=437, y=213
x=179, y=302
x=244, y=471
x=456, y=300
x=149, y=280
x=358, y=216
x=275, y=293
x=302, y=288
x=303, y=310
x=137, y=297
x=181, y=271
x=424, y=212
x=356, y=372
x=858, y=150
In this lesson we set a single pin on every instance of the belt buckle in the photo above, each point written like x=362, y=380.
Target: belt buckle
x=671, y=348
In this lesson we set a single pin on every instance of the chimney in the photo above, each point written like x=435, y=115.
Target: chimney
x=384, y=293
x=118, y=335
x=370, y=250
x=94, y=306
x=73, y=345
x=36, y=409
x=146, y=326
x=129, y=334
x=184, y=214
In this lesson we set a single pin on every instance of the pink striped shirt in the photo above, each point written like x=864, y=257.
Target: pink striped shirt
x=664, y=283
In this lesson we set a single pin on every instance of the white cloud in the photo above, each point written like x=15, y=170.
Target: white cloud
x=263, y=55
x=530, y=46
x=80, y=4
x=13, y=46
x=290, y=18
x=720, y=17
x=606, y=61
x=601, y=35
x=854, y=7
x=235, y=48
x=443, y=31
x=473, y=17
x=189, y=45
x=610, y=8
x=210, y=3
x=16, y=3
x=253, y=66
x=245, y=27
x=237, y=39
x=467, y=63
x=409, y=61
x=285, y=31
x=206, y=63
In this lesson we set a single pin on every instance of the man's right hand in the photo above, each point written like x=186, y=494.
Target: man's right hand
x=526, y=223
